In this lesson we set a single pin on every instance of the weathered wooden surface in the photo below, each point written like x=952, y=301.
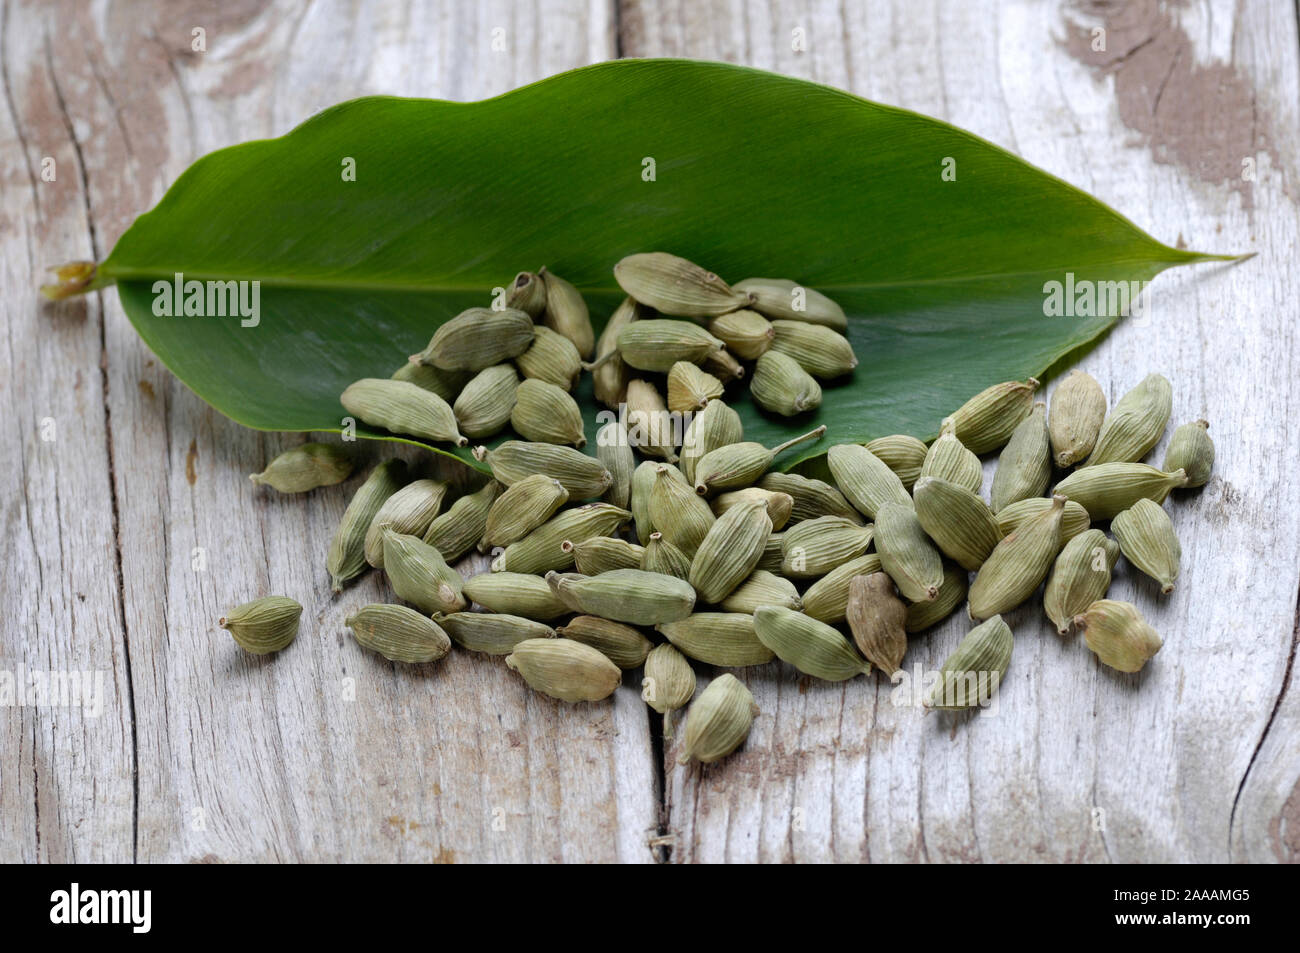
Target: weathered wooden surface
x=330, y=753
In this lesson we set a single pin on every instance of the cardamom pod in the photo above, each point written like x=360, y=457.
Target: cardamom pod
x=691, y=389
x=719, y=721
x=305, y=467
x=610, y=375
x=419, y=575
x=864, y=479
x=972, y=673
x=1025, y=465
x=674, y=285
x=677, y=512
x=717, y=425
x=779, y=505
x=781, y=386
x=815, y=547
x=1074, y=522
x=547, y=414
x=566, y=313
x=264, y=625
x=626, y=595
x=1136, y=424
x=614, y=450
x=492, y=633
x=512, y=460
x=1192, y=451
x=484, y=407
x=564, y=669
x=1078, y=408
x=621, y=644
x=402, y=408
x=1080, y=577
x=877, y=617
x=762, y=588
x=782, y=299
x=952, y=593
x=527, y=293
x=738, y=465
x=600, y=554
x=812, y=647
x=552, y=358
x=819, y=350
x=543, y=549
x=521, y=509
x=663, y=557
x=1018, y=564
x=410, y=510
x=1107, y=489
x=948, y=459
x=903, y=454
x=398, y=634
x=478, y=338
x=1118, y=634
x=669, y=679
x=730, y=550
x=455, y=532
x=656, y=344
x=643, y=480
x=810, y=498
x=650, y=427
x=746, y=333
x=960, y=523
x=726, y=639
x=515, y=593
x=827, y=599
x=986, y=421
x=723, y=365
x=907, y=554
x=1147, y=539
x=772, y=553
x=445, y=383
x=347, y=555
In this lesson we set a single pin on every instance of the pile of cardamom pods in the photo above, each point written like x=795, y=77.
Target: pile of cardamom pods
x=701, y=550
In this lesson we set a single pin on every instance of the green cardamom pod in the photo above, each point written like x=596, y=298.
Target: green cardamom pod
x=960, y=522
x=762, y=588
x=723, y=365
x=1136, y=424
x=779, y=505
x=779, y=298
x=521, y=509
x=1079, y=578
x=864, y=479
x=547, y=414
x=347, y=555
x=564, y=669
x=948, y=459
x=972, y=673
x=650, y=428
x=1025, y=465
x=986, y=421
x=515, y=593
x=730, y=550
x=643, y=481
x=402, y=408
x=620, y=643
x=690, y=389
x=419, y=575
x=484, y=407
x=952, y=593
x=1147, y=539
x=543, y=549
x=610, y=374
x=398, y=634
x=478, y=338
x=1107, y=489
x=626, y=595
x=1078, y=408
x=445, y=383
x=306, y=467
x=1012, y=517
x=746, y=333
x=512, y=460
x=1018, y=564
x=614, y=450
x=827, y=599
x=567, y=314
x=726, y=639
x=600, y=554
x=810, y=498
x=781, y=386
x=819, y=350
x=455, y=532
x=773, y=553
x=552, y=358
x=656, y=344
x=677, y=512
x=717, y=425
x=903, y=454
x=877, y=617
x=673, y=285
x=1118, y=634
x=815, y=547
x=812, y=647
x=492, y=633
x=719, y=721
x=527, y=293
x=410, y=510
x=264, y=625
x=1192, y=451
x=907, y=554
x=663, y=557
x=669, y=679
x=738, y=465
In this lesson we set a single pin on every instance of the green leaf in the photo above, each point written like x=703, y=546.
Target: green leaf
x=754, y=175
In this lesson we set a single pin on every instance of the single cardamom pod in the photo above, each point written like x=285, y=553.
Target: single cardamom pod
x=952, y=593
x=972, y=673
x=591, y=557
x=1080, y=577
x=815, y=547
x=812, y=647
x=512, y=460
x=626, y=595
x=677, y=512
x=455, y=532
x=398, y=634
x=779, y=298
x=781, y=386
x=621, y=644
x=669, y=679
x=903, y=454
x=1118, y=634
x=347, y=555
x=719, y=721
x=521, y=509
x=1018, y=564
x=877, y=617
x=478, y=338
x=691, y=389
x=515, y=593
x=610, y=375
x=673, y=285
x=773, y=553
x=1078, y=408
x=445, y=383
x=402, y=408
x=1147, y=539
x=484, y=407
x=656, y=344
x=819, y=350
x=1025, y=465
x=410, y=510
x=419, y=575
x=543, y=549
x=907, y=554
x=717, y=425
x=547, y=414
x=762, y=588
x=827, y=599
x=948, y=459
x=1074, y=522
x=564, y=669
x=650, y=428
x=1136, y=424
x=567, y=314
x=264, y=625
x=730, y=550
x=306, y=467
x=1107, y=489
x=810, y=498
x=864, y=479
x=1192, y=451
x=960, y=523
x=723, y=365
x=527, y=293
x=986, y=421
x=552, y=358
x=726, y=639
x=738, y=465
x=643, y=480
x=663, y=557
x=747, y=334
x=614, y=450
x=779, y=505
x=492, y=633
